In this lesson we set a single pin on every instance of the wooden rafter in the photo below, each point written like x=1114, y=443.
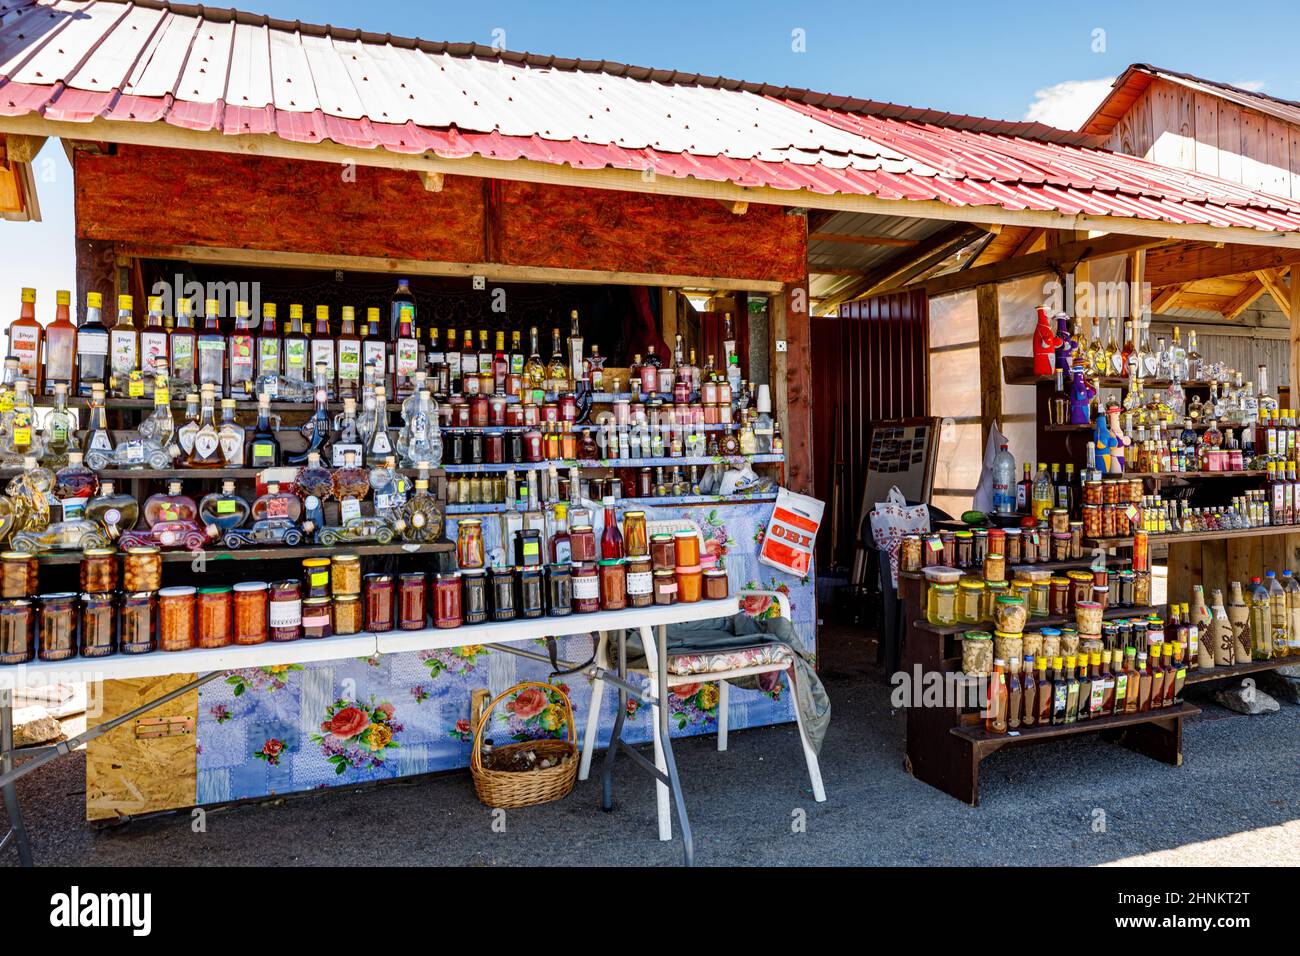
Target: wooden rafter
x=1165, y=299
x=906, y=265
x=1271, y=279
x=860, y=240
x=1234, y=307
x=1189, y=261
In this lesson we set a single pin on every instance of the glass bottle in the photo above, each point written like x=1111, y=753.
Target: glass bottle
x=223, y=510
x=389, y=488
x=74, y=482
x=534, y=368
x=321, y=353
x=212, y=349
x=557, y=373
x=379, y=445
x=402, y=302
x=268, y=350
x=314, y=479
x=276, y=504
x=346, y=437
x=516, y=354
x=317, y=428
x=264, y=447
x=231, y=435
x=242, y=354
x=374, y=351
x=297, y=349
x=153, y=344
x=60, y=429
x=25, y=338
x=611, y=539
x=18, y=425
x=422, y=513
x=206, y=451
x=351, y=485
x=500, y=365
x=92, y=347
x=115, y=511
x=124, y=352
x=98, y=437
x=406, y=353
x=190, y=427
x=347, y=353
x=182, y=345
x=60, y=346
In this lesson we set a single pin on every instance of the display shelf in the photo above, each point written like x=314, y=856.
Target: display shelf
x=1163, y=475
x=246, y=405
x=273, y=554
x=978, y=736
x=1187, y=536
x=613, y=463
x=1203, y=675
x=499, y=508
x=145, y=474
x=1019, y=370
x=503, y=429
x=1109, y=614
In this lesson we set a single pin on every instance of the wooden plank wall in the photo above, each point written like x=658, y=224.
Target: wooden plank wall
x=1177, y=126
x=1215, y=564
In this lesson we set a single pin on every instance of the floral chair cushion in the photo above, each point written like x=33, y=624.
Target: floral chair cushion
x=713, y=662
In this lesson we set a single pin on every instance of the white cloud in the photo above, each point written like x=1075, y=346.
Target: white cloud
x=1066, y=105
x=1251, y=86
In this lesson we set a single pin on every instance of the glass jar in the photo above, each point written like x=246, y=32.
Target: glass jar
x=58, y=627
x=135, y=628
x=582, y=544
x=1080, y=586
x=250, y=599
x=531, y=601
x=1076, y=540
x=448, y=606
x=347, y=614
x=98, y=570
x=640, y=582
x=715, y=585
x=665, y=585
x=469, y=544
x=586, y=588
x=965, y=549
x=559, y=590
x=473, y=601
x=284, y=611
x=215, y=616
x=1141, y=588
x=1012, y=545
x=176, y=618
x=142, y=569
x=99, y=624
x=970, y=600
x=1061, y=545
x=528, y=548
x=941, y=604
x=1058, y=601
x=410, y=591
x=315, y=578
x=688, y=549
x=17, y=631
x=909, y=554
x=378, y=590
x=980, y=537
x=988, y=602
x=1040, y=599
x=613, y=584
x=995, y=567
x=317, y=617
x=503, y=594
x=18, y=572
x=690, y=584
x=345, y=576
x=636, y=540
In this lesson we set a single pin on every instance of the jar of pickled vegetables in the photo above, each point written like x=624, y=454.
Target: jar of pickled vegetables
x=941, y=604
x=379, y=602
x=1040, y=599
x=345, y=575
x=98, y=624
x=136, y=622
x=98, y=570
x=970, y=599
x=1010, y=613
x=992, y=591
x=18, y=571
x=250, y=600
x=142, y=569
x=176, y=618
x=58, y=627
x=216, y=612
x=17, y=631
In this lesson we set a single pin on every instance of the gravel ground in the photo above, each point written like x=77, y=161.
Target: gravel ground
x=1235, y=800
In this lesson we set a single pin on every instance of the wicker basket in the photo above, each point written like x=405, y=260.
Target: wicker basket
x=509, y=790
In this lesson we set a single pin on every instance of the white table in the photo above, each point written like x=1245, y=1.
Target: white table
x=210, y=663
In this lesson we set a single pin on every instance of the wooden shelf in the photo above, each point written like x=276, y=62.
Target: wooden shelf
x=1034, y=623
x=984, y=740
x=454, y=509
x=1161, y=475
x=1203, y=675
x=1184, y=537
x=273, y=554
x=1019, y=370
x=613, y=463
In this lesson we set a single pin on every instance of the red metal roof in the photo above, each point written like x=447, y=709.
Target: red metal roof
x=221, y=71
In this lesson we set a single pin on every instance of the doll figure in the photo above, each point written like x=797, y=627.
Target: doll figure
x=1081, y=396
x=1118, y=454
x=1065, y=344
x=1045, y=343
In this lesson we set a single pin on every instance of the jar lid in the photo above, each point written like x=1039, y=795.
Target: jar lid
x=376, y=577
x=16, y=556
x=455, y=575
x=346, y=558
x=251, y=586
x=1049, y=632
x=316, y=601
x=342, y=598
x=962, y=534
x=473, y=521
x=1005, y=532
x=938, y=587
x=1008, y=634
x=663, y=537
x=1058, y=579
x=60, y=596
x=557, y=569
x=99, y=552
x=180, y=590
x=216, y=589
x=1079, y=575
x=610, y=562
x=146, y=549
x=684, y=534
x=715, y=573
x=581, y=528
x=974, y=584
x=1089, y=605
x=315, y=562
x=411, y=575
x=1010, y=599
x=664, y=573
x=15, y=604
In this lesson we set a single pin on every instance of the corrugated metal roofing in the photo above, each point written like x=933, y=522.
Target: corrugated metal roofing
x=78, y=60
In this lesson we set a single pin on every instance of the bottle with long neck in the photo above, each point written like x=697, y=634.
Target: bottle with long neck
x=406, y=354
x=374, y=351
x=92, y=347
x=557, y=373
x=317, y=428
x=206, y=452
x=25, y=338
x=124, y=352
x=534, y=368
x=153, y=343
x=347, y=354
x=269, y=365
x=182, y=344
x=297, y=349
x=212, y=350
x=60, y=346
x=322, y=349
x=231, y=434
x=264, y=447
x=611, y=539
x=242, y=356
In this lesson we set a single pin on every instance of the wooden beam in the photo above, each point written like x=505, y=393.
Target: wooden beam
x=899, y=269
x=735, y=207
x=792, y=382
x=990, y=351
x=1027, y=244
x=1062, y=258
x=1187, y=262
x=1271, y=279
x=626, y=180
x=860, y=240
x=1234, y=307
x=1166, y=297
x=23, y=149
x=1136, y=274
x=1293, y=312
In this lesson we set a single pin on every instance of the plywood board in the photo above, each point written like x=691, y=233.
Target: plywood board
x=127, y=774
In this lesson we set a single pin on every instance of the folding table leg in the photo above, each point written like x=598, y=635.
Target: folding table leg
x=593, y=712
x=688, y=841
x=659, y=691
x=17, y=829
x=616, y=737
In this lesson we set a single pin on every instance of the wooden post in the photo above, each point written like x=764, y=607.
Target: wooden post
x=1293, y=310
x=792, y=382
x=990, y=345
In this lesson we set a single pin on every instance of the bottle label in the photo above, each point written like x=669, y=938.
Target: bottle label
x=24, y=342
x=586, y=588
x=268, y=356
x=375, y=354
x=407, y=356
x=285, y=614
x=182, y=357
x=322, y=353
x=563, y=552
x=225, y=507
x=277, y=507
x=640, y=582
x=153, y=345
x=92, y=343
x=135, y=384
x=241, y=358
x=263, y=454
x=295, y=354
x=349, y=508
x=206, y=444
x=349, y=361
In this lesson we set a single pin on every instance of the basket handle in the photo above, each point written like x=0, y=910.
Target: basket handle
x=476, y=754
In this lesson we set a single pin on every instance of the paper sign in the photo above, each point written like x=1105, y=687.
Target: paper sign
x=791, y=531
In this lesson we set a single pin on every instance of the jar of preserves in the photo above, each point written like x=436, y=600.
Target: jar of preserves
x=284, y=611
x=317, y=617
x=528, y=548
x=559, y=590
x=503, y=594
x=640, y=582
x=142, y=569
x=18, y=572
x=1076, y=540
x=57, y=639
x=1060, y=545
x=663, y=552
x=1141, y=588
x=1012, y=545
x=1040, y=599
x=690, y=584
x=586, y=588
x=469, y=544
x=451, y=598
x=1058, y=601
x=688, y=549
x=977, y=653
x=715, y=585
x=474, y=600
x=995, y=567
x=347, y=614
x=1101, y=595
x=965, y=549
x=941, y=604
x=98, y=570
x=378, y=591
x=970, y=600
x=909, y=554
x=345, y=575
x=315, y=577
x=1010, y=613
x=135, y=622
x=176, y=618
x=636, y=539
x=948, y=544
x=613, y=584
x=582, y=544
x=992, y=591
x=99, y=620
x=215, y=616
x=665, y=587
x=980, y=537
x=1088, y=617
x=411, y=614
x=531, y=600
x=17, y=631
x=250, y=600
x=1060, y=520
x=1080, y=586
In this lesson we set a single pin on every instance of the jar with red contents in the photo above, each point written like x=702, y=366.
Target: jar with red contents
x=613, y=584
x=479, y=411
x=411, y=614
x=378, y=594
x=569, y=407
x=284, y=615
x=250, y=612
x=665, y=585
x=215, y=616
x=495, y=446
x=446, y=599
x=497, y=410
x=533, y=445
x=582, y=544
x=586, y=588
x=459, y=412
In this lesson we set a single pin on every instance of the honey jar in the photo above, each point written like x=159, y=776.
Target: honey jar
x=98, y=570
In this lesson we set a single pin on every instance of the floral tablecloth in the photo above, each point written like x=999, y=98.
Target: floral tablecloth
x=276, y=730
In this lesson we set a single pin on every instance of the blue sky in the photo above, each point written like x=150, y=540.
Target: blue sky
x=1004, y=60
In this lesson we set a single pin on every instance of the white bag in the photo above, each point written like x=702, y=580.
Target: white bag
x=791, y=531
x=893, y=519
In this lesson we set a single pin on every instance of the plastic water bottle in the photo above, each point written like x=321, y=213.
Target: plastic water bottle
x=1004, y=482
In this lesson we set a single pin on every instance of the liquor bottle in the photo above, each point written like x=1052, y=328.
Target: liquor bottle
x=276, y=503
x=516, y=354
x=728, y=444
x=92, y=347
x=469, y=380
x=1280, y=615
x=1071, y=690
x=379, y=445
x=212, y=350
x=185, y=434
x=402, y=303
x=269, y=364
x=422, y=514
x=557, y=372
x=264, y=447
x=242, y=355
x=500, y=365
x=98, y=437
x=1084, y=708
x=114, y=511
x=345, y=436
x=347, y=356
x=60, y=346
x=1044, y=497
x=451, y=355
x=60, y=429
x=406, y=354
x=18, y=425
x=153, y=344
x=1042, y=693
x=486, y=363
x=995, y=707
x=171, y=505
x=1118, y=682
x=297, y=349
x=435, y=356
x=374, y=353
x=611, y=539
x=223, y=510
x=1015, y=693
x=182, y=344
x=206, y=452
x=1265, y=400
x=1060, y=691
x=389, y=489
x=595, y=367
x=74, y=483
x=321, y=351
x=1195, y=369
x=351, y=485
x=534, y=369
x=1097, y=675
x=317, y=428
x=1128, y=355
x=25, y=338
x=231, y=435
x=577, y=366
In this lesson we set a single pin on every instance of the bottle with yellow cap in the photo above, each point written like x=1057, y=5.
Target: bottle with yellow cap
x=297, y=351
x=347, y=353
x=124, y=352
x=322, y=349
x=92, y=347
x=212, y=349
x=25, y=337
x=374, y=351
x=268, y=350
x=241, y=353
x=59, y=363
x=153, y=344
x=183, y=346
